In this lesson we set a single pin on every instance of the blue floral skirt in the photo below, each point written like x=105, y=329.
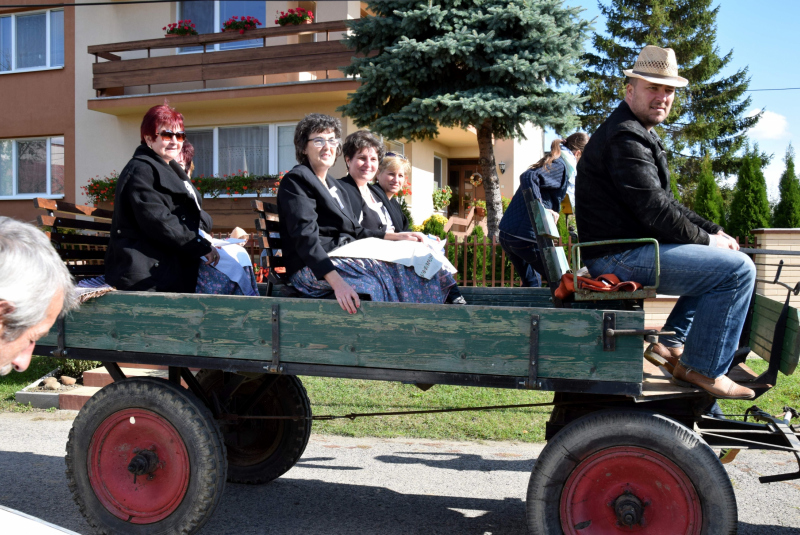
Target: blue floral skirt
x=383, y=281
x=212, y=281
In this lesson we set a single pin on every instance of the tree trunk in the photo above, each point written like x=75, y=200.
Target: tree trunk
x=491, y=183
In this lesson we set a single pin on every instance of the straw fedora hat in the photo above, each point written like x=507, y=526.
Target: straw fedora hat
x=657, y=65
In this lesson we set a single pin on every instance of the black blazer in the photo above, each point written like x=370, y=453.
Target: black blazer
x=313, y=223
x=155, y=243
x=367, y=217
x=399, y=219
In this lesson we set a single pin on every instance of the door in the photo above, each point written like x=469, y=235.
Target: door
x=458, y=173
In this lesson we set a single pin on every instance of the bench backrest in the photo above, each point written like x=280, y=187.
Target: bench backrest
x=268, y=225
x=79, y=233
x=762, y=331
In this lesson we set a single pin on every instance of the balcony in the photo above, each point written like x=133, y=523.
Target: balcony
x=289, y=60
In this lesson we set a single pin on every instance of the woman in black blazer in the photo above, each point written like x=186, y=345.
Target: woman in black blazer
x=317, y=216
x=155, y=242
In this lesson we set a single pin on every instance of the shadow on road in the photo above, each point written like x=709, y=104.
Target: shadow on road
x=458, y=461
x=293, y=506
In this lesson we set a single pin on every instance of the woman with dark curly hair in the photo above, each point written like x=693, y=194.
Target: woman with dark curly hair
x=316, y=217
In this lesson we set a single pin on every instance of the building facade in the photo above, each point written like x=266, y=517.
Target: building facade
x=73, y=112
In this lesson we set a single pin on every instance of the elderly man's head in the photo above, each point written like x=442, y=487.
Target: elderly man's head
x=35, y=288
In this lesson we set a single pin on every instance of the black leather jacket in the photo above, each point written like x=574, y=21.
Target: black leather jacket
x=622, y=190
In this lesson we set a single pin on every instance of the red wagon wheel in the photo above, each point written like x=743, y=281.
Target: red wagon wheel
x=145, y=457
x=614, y=472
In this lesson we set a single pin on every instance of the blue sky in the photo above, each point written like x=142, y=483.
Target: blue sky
x=764, y=38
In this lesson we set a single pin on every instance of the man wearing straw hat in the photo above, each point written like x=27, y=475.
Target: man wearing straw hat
x=623, y=192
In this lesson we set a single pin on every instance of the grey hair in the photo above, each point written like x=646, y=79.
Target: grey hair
x=314, y=122
x=360, y=140
x=32, y=274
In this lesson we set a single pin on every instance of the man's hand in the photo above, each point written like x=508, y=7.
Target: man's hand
x=212, y=258
x=727, y=242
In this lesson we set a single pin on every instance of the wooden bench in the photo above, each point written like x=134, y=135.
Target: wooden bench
x=79, y=233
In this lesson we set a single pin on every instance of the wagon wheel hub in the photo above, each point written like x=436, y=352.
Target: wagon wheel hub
x=629, y=510
x=145, y=462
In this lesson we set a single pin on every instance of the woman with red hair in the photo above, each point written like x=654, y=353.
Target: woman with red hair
x=157, y=241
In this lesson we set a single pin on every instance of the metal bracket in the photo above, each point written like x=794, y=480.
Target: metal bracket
x=61, y=351
x=276, y=367
x=533, y=362
x=609, y=326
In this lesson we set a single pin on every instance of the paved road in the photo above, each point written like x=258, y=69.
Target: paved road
x=349, y=486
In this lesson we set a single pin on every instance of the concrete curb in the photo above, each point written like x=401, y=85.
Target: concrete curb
x=38, y=400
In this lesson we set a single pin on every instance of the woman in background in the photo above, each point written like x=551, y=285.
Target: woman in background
x=549, y=179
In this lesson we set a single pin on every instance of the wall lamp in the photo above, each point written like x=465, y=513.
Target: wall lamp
x=502, y=166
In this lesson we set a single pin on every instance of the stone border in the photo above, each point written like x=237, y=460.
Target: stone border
x=38, y=400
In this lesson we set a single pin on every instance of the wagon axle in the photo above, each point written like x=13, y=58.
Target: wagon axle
x=145, y=462
x=629, y=509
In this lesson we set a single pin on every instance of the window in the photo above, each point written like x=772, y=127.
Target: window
x=208, y=17
x=32, y=41
x=31, y=167
x=393, y=146
x=256, y=149
x=437, y=172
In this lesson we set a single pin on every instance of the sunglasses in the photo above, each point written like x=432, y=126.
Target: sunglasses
x=395, y=155
x=167, y=135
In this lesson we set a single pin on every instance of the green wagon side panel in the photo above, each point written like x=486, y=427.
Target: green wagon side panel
x=462, y=339
x=765, y=315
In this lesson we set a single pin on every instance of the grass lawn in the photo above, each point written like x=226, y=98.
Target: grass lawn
x=787, y=392
x=343, y=396
x=14, y=382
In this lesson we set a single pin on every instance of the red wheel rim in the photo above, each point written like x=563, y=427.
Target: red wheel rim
x=670, y=504
x=151, y=498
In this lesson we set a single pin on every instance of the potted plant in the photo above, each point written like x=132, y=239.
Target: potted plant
x=180, y=28
x=480, y=207
x=441, y=198
x=100, y=190
x=294, y=17
x=240, y=24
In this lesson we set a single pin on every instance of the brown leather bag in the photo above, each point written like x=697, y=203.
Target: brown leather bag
x=603, y=283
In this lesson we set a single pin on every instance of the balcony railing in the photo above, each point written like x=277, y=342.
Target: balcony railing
x=112, y=76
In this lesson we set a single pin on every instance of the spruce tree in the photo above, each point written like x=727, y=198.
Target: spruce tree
x=494, y=65
x=787, y=213
x=708, y=116
x=708, y=201
x=749, y=208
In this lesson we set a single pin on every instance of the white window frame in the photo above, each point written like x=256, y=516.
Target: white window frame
x=217, y=25
x=273, y=149
x=47, y=67
x=15, y=179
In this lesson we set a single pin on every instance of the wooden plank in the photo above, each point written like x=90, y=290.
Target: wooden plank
x=61, y=222
x=77, y=254
x=78, y=239
x=69, y=208
x=761, y=343
x=221, y=71
x=225, y=56
x=226, y=37
x=466, y=339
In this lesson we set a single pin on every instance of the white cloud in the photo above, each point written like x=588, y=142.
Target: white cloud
x=771, y=126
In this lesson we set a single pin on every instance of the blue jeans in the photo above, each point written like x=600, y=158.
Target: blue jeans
x=714, y=286
x=524, y=255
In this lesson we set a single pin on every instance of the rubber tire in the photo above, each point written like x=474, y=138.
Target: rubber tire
x=193, y=422
x=284, y=441
x=605, y=429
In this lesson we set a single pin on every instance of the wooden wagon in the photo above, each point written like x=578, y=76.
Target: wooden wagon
x=627, y=450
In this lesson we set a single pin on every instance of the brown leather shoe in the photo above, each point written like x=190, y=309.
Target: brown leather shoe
x=721, y=387
x=661, y=355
